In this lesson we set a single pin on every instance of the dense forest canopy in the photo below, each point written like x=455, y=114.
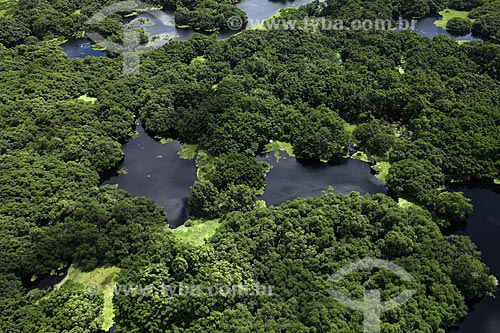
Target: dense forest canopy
x=46, y=19
x=296, y=247
x=430, y=108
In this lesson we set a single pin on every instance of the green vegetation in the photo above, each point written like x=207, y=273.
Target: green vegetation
x=459, y=26
x=45, y=19
x=164, y=141
x=414, y=178
x=188, y=151
x=225, y=100
x=375, y=138
x=359, y=155
x=296, y=247
x=88, y=99
x=449, y=14
x=277, y=146
x=259, y=26
x=350, y=128
x=6, y=7
x=406, y=204
x=101, y=280
x=226, y=183
x=199, y=59
x=207, y=15
x=196, y=232
x=141, y=21
x=487, y=19
x=382, y=168
x=55, y=140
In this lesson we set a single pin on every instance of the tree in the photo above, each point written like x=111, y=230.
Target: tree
x=237, y=169
x=321, y=136
x=203, y=201
x=159, y=116
x=375, y=138
x=459, y=26
x=70, y=307
x=296, y=248
x=414, y=178
x=471, y=276
x=12, y=31
x=450, y=206
x=418, y=8
x=209, y=202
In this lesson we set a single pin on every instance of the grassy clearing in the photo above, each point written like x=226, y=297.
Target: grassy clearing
x=277, y=146
x=406, y=204
x=448, y=14
x=383, y=170
x=87, y=99
x=496, y=181
x=199, y=59
x=197, y=231
x=359, y=155
x=204, y=164
x=103, y=278
x=188, y=151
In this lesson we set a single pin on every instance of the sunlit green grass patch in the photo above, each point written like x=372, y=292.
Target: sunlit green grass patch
x=403, y=203
x=383, y=170
x=277, y=146
x=88, y=99
x=350, y=128
x=197, y=231
x=188, y=151
x=448, y=14
x=103, y=279
x=362, y=156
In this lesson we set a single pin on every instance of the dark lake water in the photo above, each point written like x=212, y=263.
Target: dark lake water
x=426, y=27
x=155, y=170
x=81, y=48
x=483, y=227
x=289, y=179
